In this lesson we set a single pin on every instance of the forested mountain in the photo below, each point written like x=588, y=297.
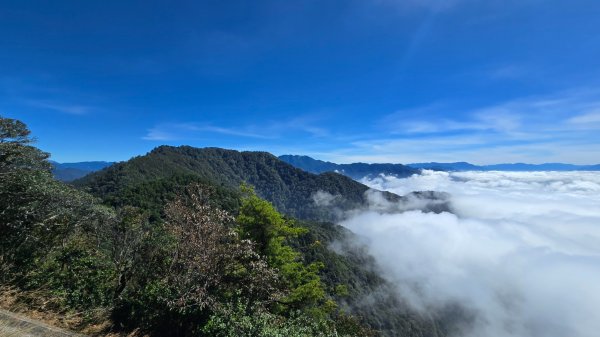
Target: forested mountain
x=290, y=189
x=170, y=244
x=354, y=171
x=151, y=180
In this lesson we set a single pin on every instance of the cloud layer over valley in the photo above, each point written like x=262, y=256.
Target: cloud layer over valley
x=521, y=251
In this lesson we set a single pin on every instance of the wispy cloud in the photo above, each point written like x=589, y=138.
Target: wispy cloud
x=192, y=130
x=508, y=72
x=590, y=119
x=157, y=134
x=266, y=130
x=67, y=108
x=561, y=127
x=496, y=118
x=553, y=128
x=527, y=115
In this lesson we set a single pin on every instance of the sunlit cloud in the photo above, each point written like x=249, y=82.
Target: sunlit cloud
x=520, y=251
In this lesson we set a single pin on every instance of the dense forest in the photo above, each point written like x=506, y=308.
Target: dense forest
x=191, y=242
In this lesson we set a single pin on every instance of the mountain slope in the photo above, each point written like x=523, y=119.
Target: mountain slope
x=290, y=189
x=354, y=171
x=147, y=181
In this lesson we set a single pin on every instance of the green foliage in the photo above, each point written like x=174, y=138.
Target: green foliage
x=76, y=273
x=240, y=320
x=259, y=221
x=37, y=212
x=188, y=268
x=15, y=152
x=351, y=275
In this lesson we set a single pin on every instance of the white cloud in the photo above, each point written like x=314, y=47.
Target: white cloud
x=71, y=109
x=322, y=198
x=156, y=134
x=592, y=117
x=557, y=128
x=522, y=250
x=266, y=130
x=181, y=131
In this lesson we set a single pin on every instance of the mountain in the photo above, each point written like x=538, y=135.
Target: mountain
x=148, y=180
x=464, y=166
x=71, y=171
x=309, y=164
x=458, y=166
x=354, y=171
x=360, y=170
x=540, y=167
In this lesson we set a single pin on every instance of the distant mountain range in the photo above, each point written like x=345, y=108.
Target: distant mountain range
x=354, y=171
x=361, y=170
x=72, y=171
x=464, y=166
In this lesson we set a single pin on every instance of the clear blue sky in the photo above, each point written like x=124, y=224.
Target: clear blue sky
x=484, y=81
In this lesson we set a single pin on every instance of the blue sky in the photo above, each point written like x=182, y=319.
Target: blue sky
x=355, y=80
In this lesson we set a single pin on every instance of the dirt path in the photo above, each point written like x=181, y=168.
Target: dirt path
x=15, y=325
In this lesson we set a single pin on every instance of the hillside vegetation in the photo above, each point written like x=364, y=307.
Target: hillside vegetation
x=181, y=242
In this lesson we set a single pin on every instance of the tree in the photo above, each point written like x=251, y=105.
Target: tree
x=16, y=153
x=26, y=191
x=124, y=239
x=209, y=260
x=37, y=212
x=260, y=222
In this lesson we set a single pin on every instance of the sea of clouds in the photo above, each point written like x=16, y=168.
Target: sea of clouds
x=520, y=250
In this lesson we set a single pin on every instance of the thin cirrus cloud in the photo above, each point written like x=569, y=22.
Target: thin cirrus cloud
x=266, y=131
x=561, y=128
x=66, y=108
x=187, y=131
x=526, y=114
x=556, y=128
x=591, y=119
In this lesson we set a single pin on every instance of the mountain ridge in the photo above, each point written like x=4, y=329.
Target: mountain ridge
x=355, y=170
x=290, y=189
x=360, y=170
x=517, y=167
